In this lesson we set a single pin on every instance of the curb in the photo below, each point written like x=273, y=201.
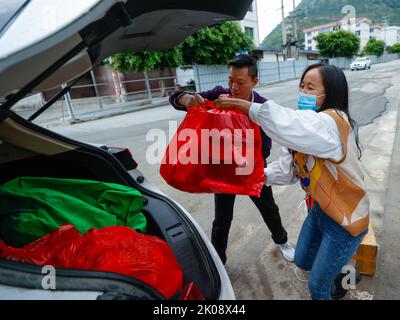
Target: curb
x=389, y=260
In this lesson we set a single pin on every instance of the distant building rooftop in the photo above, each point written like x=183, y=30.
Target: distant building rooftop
x=337, y=23
x=309, y=51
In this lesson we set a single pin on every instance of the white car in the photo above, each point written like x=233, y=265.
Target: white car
x=361, y=63
x=42, y=47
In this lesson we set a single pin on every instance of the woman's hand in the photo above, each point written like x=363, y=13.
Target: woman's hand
x=242, y=105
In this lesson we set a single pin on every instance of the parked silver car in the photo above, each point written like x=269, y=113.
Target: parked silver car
x=42, y=47
x=361, y=63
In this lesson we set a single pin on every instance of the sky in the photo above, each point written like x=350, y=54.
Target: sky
x=269, y=16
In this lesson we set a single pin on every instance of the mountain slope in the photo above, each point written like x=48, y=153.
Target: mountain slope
x=315, y=12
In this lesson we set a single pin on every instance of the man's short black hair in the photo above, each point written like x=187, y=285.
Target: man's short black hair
x=245, y=61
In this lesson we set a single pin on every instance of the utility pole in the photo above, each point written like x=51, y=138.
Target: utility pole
x=295, y=14
x=294, y=20
x=283, y=31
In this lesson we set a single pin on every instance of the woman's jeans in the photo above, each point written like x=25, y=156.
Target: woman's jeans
x=323, y=248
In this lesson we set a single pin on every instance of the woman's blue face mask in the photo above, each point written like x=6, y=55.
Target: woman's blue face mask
x=308, y=101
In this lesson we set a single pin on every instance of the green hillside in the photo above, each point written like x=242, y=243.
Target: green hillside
x=315, y=12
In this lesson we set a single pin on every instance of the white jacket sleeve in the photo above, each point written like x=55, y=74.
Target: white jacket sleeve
x=306, y=131
x=280, y=172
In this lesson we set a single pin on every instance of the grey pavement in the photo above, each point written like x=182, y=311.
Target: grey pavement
x=255, y=266
x=386, y=282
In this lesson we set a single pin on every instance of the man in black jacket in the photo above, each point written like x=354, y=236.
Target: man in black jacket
x=243, y=76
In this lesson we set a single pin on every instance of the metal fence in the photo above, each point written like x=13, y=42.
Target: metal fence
x=385, y=58
x=119, y=95
x=207, y=77
x=100, y=97
x=345, y=63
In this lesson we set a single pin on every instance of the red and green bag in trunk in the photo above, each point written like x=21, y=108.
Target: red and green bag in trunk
x=31, y=207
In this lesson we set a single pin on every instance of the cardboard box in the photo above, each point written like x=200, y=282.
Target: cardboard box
x=365, y=256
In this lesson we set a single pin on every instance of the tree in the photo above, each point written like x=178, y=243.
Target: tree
x=135, y=61
x=215, y=45
x=168, y=59
x=374, y=47
x=212, y=45
x=395, y=48
x=338, y=44
x=148, y=60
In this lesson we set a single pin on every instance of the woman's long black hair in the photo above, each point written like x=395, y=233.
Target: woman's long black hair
x=337, y=93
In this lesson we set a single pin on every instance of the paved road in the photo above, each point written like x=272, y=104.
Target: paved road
x=254, y=265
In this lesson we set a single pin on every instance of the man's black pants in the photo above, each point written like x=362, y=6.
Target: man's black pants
x=224, y=214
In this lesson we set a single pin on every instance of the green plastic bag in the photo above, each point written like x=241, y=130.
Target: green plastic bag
x=31, y=207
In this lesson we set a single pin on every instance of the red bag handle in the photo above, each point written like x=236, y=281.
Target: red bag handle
x=209, y=104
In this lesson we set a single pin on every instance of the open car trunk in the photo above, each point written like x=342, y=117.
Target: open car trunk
x=36, y=56
x=29, y=150
x=81, y=34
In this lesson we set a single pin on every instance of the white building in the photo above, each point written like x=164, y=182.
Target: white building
x=249, y=24
x=269, y=54
x=360, y=27
x=375, y=32
x=390, y=35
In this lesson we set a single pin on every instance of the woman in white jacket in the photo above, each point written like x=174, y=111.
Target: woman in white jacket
x=321, y=150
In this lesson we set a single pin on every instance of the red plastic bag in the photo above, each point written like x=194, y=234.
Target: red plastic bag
x=115, y=249
x=215, y=151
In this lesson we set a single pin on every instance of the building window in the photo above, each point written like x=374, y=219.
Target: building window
x=358, y=33
x=372, y=30
x=249, y=31
x=308, y=34
x=309, y=41
x=251, y=8
x=309, y=48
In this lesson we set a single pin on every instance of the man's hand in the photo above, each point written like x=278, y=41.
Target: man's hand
x=239, y=104
x=190, y=100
